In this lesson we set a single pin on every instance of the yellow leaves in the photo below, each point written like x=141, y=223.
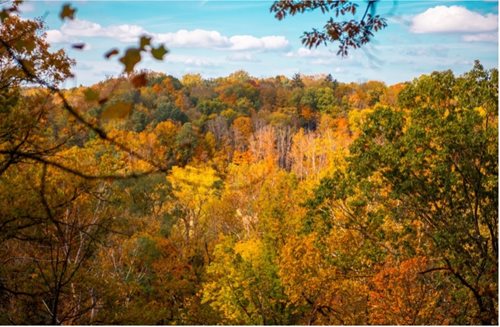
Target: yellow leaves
x=242, y=158
x=210, y=140
x=166, y=132
x=242, y=285
x=249, y=250
x=357, y=119
x=190, y=178
x=481, y=111
x=299, y=263
x=194, y=188
x=190, y=80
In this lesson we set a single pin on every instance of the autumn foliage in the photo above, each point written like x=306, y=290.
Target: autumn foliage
x=147, y=199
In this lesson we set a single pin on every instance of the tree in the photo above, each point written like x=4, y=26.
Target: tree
x=432, y=162
x=350, y=34
x=244, y=286
x=22, y=40
x=50, y=235
x=409, y=294
x=192, y=188
x=55, y=197
x=26, y=60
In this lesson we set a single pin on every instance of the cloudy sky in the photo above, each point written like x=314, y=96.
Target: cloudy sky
x=215, y=38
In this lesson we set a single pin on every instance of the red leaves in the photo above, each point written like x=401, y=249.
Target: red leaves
x=139, y=80
x=78, y=46
x=110, y=53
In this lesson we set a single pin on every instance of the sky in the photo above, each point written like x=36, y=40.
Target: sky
x=217, y=37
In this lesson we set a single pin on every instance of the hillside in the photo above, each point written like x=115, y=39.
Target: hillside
x=240, y=200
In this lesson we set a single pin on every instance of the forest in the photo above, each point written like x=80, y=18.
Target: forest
x=150, y=199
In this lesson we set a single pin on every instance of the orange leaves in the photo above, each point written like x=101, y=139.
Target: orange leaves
x=406, y=294
x=242, y=158
x=312, y=280
x=243, y=125
x=67, y=11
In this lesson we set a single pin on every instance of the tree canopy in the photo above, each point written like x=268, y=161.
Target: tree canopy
x=148, y=199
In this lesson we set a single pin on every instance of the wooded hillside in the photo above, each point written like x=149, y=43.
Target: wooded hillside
x=147, y=199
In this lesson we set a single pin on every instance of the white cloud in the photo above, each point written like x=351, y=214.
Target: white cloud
x=55, y=36
x=191, y=61
x=78, y=27
x=453, y=19
x=84, y=28
x=249, y=42
x=125, y=32
x=197, y=38
x=481, y=37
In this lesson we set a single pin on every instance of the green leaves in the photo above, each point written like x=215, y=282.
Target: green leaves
x=4, y=14
x=67, y=12
x=144, y=41
x=90, y=95
x=159, y=52
x=133, y=55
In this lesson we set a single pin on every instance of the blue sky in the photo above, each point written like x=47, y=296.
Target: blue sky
x=216, y=38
